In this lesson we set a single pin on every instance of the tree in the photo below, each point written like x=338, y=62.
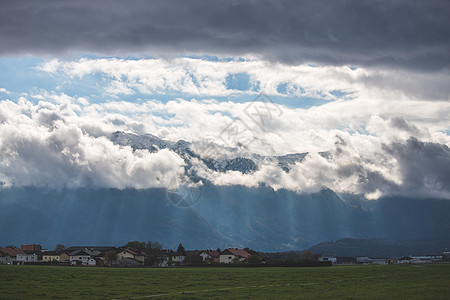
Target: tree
x=153, y=246
x=136, y=245
x=306, y=256
x=154, y=253
x=60, y=247
x=250, y=251
x=236, y=260
x=254, y=259
x=180, y=250
x=193, y=259
x=293, y=258
x=110, y=257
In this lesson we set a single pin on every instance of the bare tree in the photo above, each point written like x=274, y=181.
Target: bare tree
x=60, y=247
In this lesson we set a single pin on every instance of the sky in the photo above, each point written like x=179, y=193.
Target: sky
x=365, y=81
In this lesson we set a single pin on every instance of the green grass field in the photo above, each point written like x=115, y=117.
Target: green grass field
x=344, y=282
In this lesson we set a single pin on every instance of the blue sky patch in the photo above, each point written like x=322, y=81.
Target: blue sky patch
x=239, y=81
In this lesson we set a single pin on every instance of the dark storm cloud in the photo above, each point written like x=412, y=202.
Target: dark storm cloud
x=423, y=164
x=413, y=34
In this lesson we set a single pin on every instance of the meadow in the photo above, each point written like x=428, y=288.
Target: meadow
x=337, y=282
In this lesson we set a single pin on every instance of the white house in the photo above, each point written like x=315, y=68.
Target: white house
x=79, y=255
x=362, y=260
x=5, y=259
x=328, y=258
x=27, y=257
x=229, y=255
x=424, y=259
x=8, y=256
x=91, y=262
x=210, y=255
x=85, y=256
x=178, y=258
x=379, y=261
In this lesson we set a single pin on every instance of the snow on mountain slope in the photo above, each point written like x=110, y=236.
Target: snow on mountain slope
x=232, y=161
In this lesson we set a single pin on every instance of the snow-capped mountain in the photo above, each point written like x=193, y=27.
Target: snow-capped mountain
x=212, y=215
x=229, y=160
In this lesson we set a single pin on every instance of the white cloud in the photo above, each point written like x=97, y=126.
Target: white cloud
x=209, y=78
x=42, y=145
x=61, y=140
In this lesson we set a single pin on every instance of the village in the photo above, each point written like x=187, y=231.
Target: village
x=151, y=254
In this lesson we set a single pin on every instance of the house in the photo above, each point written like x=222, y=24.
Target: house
x=129, y=262
x=92, y=262
x=131, y=254
x=10, y=255
x=379, y=261
x=425, y=259
x=404, y=260
x=27, y=257
x=193, y=257
x=79, y=257
x=49, y=256
x=85, y=254
x=99, y=248
x=230, y=255
x=328, y=258
x=96, y=252
x=64, y=257
x=362, y=260
x=346, y=260
x=5, y=259
x=163, y=259
x=31, y=247
x=179, y=256
x=211, y=256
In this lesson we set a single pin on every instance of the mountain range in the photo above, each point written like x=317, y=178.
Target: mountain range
x=381, y=247
x=218, y=216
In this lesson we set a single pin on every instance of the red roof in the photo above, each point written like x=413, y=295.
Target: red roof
x=133, y=252
x=212, y=253
x=238, y=252
x=12, y=251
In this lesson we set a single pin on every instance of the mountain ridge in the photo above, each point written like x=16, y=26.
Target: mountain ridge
x=381, y=247
x=224, y=216
x=234, y=160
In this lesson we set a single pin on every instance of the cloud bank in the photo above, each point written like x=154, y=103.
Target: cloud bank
x=64, y=142
x=40, y=146
x=405, y=34
x=360, y=86
x=201, y=77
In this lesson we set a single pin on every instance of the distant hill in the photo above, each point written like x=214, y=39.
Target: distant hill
x=380, y=247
